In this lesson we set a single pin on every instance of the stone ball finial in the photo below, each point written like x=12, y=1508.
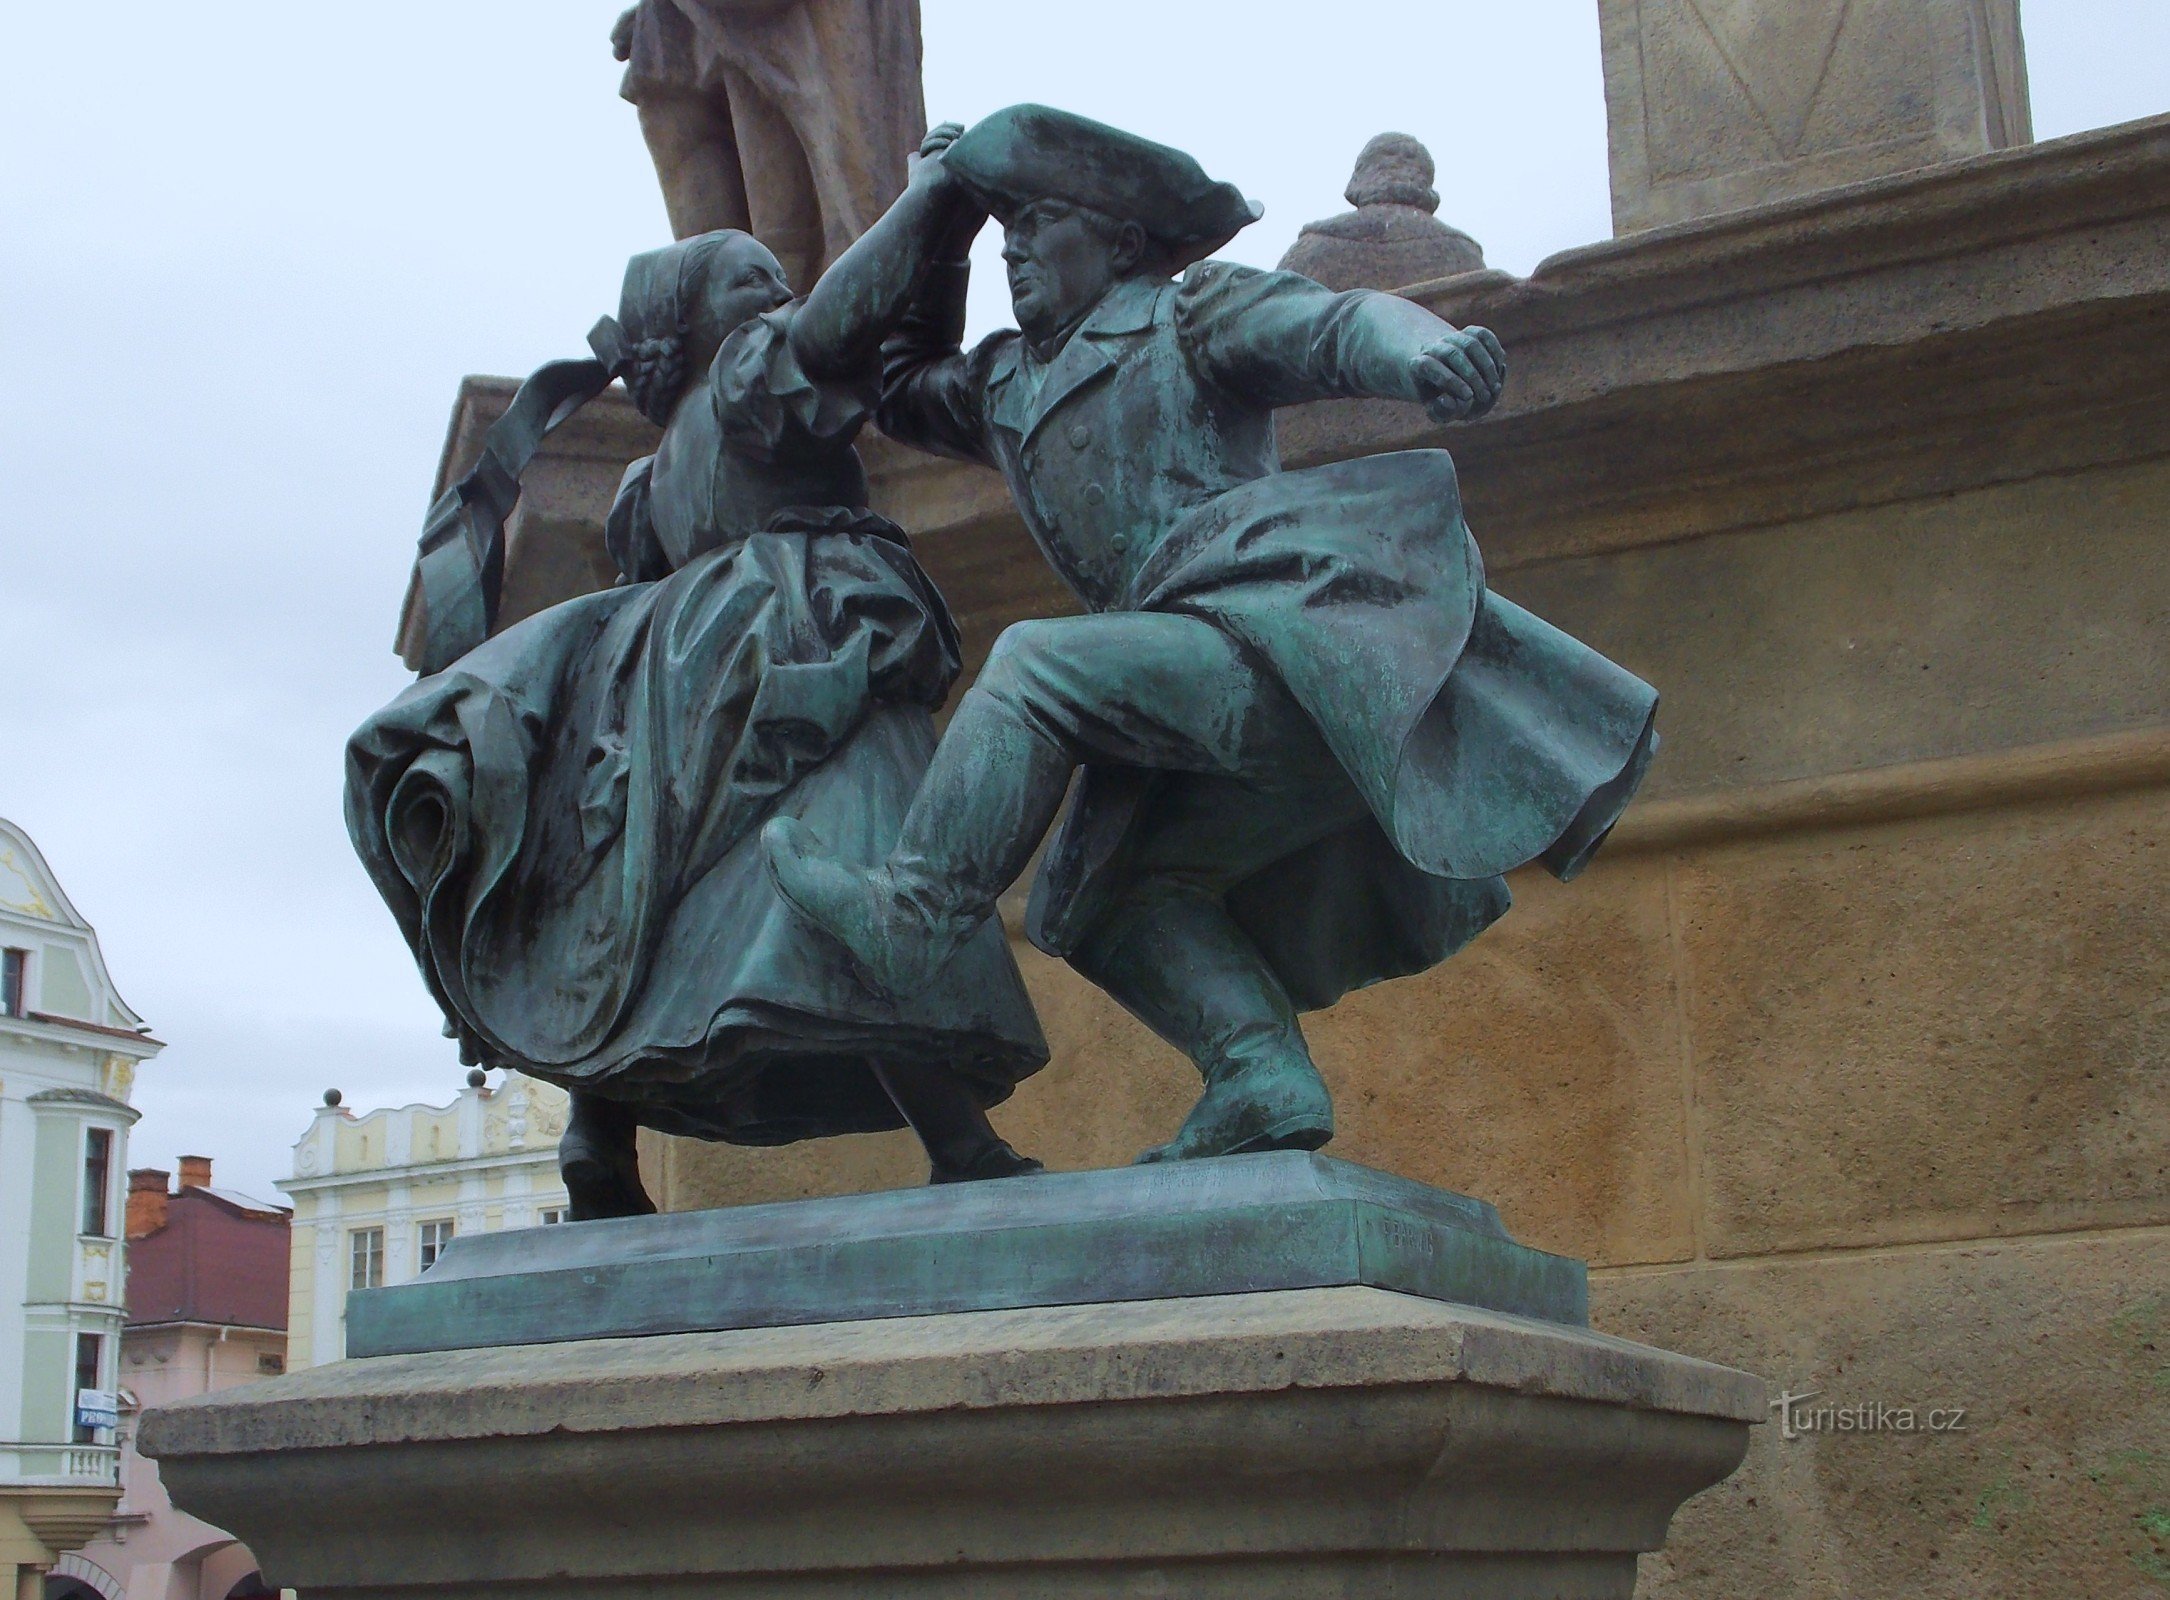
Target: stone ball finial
x=1394, y=170
x=476, y=1077
x=332, y=1097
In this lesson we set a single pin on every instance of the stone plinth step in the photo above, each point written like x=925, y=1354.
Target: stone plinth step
x=1240, y=1224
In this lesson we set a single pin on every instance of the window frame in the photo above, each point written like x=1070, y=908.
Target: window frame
x=94, y=1211
x=365, y=1260
x=92, y=1344
x=14, y=981
x=429, y=1244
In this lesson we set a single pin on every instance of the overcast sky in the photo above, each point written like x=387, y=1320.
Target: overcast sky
x=247, y=250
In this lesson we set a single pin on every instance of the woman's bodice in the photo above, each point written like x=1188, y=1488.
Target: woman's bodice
x=753, y=436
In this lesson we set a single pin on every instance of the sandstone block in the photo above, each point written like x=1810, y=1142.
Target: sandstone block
x=2052, y=1486
x=1717, y=104
x=1943, y=1028
x=1279, y=1446
x=2014, y=615
x=1542, y=1068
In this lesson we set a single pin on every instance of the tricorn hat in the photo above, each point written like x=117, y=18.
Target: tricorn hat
x=1027, y=153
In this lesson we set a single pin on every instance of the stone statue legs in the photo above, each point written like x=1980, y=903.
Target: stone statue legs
x=732, y=161
x=1247, y=780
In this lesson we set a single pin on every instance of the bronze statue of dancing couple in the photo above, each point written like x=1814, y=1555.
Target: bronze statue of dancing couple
x=690, y=847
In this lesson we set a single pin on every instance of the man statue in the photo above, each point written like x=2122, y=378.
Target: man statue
x=787, y=119
x=1311, y=741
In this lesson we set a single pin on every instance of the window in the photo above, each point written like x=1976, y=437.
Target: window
x=435, y=1236
x=266, y=1361
x=89, y=1366
x=365, y=1258
x=14, y=981
x=550, y=1216
x=97, y=1184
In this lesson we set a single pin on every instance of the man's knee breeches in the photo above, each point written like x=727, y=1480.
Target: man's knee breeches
x=1134, y=688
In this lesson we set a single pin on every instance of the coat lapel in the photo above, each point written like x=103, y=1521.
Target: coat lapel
x=1009, y=397
x=1081, y=362
x=1090, y=355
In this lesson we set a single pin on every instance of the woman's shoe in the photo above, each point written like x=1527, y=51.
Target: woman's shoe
x=995, y=1160
x=599, y=1161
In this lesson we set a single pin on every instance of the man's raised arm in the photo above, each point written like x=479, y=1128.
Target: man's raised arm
x=932, y=391
x=1280, y=338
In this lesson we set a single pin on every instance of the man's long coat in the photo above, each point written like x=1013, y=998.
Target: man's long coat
x=1141, y=456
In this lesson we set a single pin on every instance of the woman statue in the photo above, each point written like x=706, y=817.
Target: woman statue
x=564, y=818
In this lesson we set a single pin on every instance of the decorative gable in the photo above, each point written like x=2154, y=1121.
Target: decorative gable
x=67, y=977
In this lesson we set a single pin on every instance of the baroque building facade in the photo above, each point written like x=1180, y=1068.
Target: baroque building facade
x=206, y=1310
x=377, y=1196
x=69, y=1048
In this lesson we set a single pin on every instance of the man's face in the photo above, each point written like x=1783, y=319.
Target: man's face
x=1060, y=264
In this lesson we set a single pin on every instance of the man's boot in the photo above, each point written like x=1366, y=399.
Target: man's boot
x=989, y=795
x=1177, y=962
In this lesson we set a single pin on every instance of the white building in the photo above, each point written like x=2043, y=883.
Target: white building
x=377, y=1196
x=69, y=1048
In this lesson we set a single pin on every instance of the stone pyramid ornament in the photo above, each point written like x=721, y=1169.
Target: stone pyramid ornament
x=1393, y=238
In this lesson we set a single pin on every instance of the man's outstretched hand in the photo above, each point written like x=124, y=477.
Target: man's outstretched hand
x=1459, y=376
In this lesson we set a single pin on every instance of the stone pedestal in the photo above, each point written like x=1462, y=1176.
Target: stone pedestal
x=1303, y=1443
x=1718, y=104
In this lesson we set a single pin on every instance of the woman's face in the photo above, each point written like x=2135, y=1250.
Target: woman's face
x=742, y=281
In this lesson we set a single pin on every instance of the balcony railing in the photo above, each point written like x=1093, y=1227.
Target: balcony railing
x=69, y=1466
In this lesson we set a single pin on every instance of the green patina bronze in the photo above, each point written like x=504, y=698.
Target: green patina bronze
x=1307, y=741
x=1283, y=1220
x=563, y=816
x=689, y=846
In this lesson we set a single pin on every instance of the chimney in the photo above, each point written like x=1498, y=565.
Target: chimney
x=195, y=1172
x=146, y=1201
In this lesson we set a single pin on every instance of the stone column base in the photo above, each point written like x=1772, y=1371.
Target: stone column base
x=1305, y=1443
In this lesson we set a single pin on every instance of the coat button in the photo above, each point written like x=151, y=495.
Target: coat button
x=1080, y=436
x=1095, y=495
x=1118, y=542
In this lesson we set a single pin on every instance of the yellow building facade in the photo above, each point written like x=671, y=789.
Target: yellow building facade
x=378, y=1195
